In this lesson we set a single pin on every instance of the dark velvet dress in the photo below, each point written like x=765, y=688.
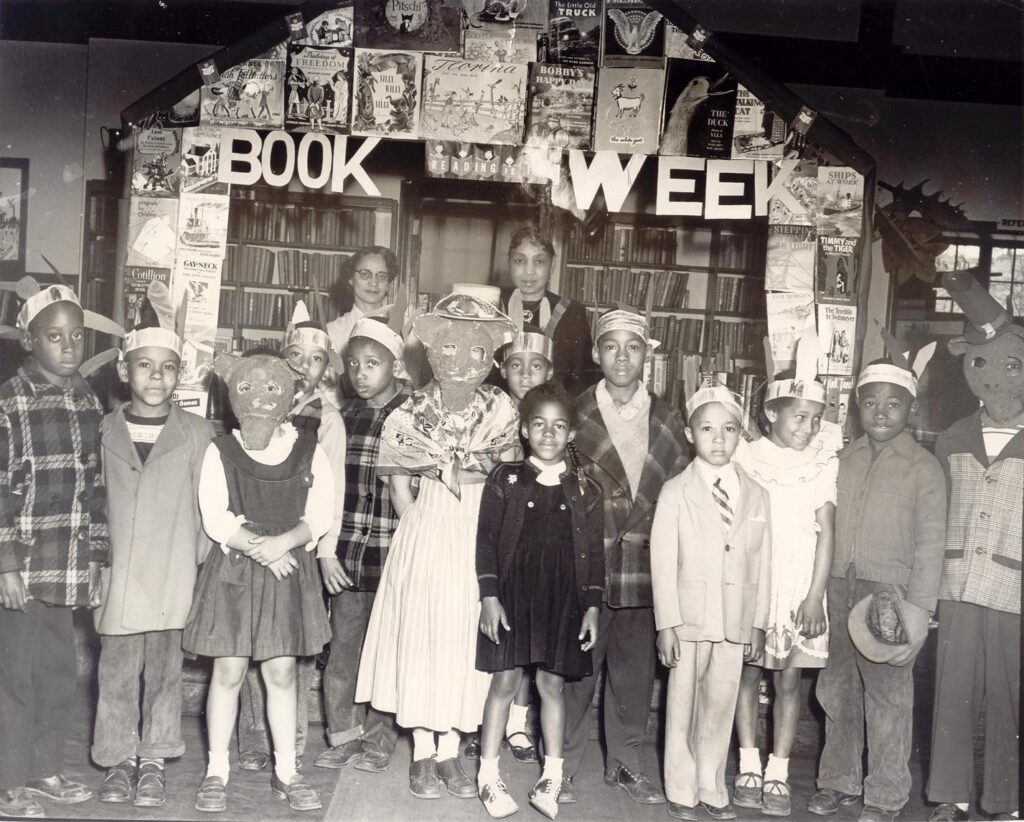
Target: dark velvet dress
x=540, y=595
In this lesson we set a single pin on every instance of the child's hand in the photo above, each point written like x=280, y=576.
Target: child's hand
x=668, y=647
x=266, y=550
x=589, y=626
x=492, y=617
x=12, y=591
x=95, y=586
x=283, y=567
x=810, y=617
x=753, y=650
x=335, y=578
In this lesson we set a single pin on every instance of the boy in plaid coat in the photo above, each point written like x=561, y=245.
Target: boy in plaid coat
x=53, y=540
x=631, y=443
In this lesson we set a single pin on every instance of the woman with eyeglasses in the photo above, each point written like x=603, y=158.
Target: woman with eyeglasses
x=361, y=289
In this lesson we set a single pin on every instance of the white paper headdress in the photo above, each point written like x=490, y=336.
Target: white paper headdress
x=804, y=386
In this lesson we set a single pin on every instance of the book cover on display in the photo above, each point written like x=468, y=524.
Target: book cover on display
x=155, y=162
x=250, y=95
x=627, y=109
x=789, y=260
x=385, y=93
x=677, y=46
x=499, y=44
x=473, y=102
x=202, y=227
x=318, y=89
x=790, y=314
x=561, y=104
x=183, y=113
x=507, y=13
x=200, y=160
x=152, y=234
x=758, y=134
x=136, y=283
x=700, y=107
x=634, y=34
x=797, y=198
x=837, y=268
x=837, y=336
x=496, y=163
x=837, y=399
x=574, y=31
x=331, y=28
x=840, y=201
x=413, y=25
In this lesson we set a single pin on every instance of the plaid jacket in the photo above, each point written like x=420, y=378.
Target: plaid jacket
x=52, y=499
x=627, y=522
x=983, y=529
x=369, y=520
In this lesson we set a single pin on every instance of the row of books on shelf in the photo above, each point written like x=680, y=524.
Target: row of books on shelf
x=678, y=333
x=307, y=225
x=743, y=339
x=255, y=308
x=254, y=265
x=741, y=295
x=675, y=375
x=627, y=243
x=239, y=344
x=599, y=284
x=101, y=215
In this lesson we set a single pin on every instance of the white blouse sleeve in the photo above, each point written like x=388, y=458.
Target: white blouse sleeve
x=319, y=513
x=218, y=521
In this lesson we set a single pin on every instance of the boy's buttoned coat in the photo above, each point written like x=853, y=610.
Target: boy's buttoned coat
x=156, y=533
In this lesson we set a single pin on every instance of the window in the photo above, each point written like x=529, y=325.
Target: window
x=1007, y=281
x=955, y=258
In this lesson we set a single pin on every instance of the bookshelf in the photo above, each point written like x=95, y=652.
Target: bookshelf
x=99, y=246
x=704, y=282
x=284, y=245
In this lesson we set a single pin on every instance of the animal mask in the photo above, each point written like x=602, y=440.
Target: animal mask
x=260, y=389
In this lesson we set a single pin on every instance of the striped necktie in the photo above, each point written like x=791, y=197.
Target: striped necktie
x=722, y=501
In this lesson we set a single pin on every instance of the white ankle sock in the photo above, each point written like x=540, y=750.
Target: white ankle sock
x=750, y=761
x=777, y=769
x=962, y=805
x=447, y=745
x=553, y=769
x=219, y=765
x=423, y=746
x=284, y=765
x=488, y=772
x=516, y=720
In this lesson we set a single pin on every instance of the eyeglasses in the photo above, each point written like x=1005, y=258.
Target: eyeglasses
x=367, y=276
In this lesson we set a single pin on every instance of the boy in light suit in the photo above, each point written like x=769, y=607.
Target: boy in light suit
x=710, y=550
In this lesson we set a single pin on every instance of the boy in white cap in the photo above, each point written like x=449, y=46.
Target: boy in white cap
x=710, y=555
x=889, y=540
x=152, y=453
x=53, y=540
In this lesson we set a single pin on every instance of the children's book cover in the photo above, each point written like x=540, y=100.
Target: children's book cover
x=634, y=34
x=155, y=162
x=331, y=28
x=837, y=399
x=837, y=334
x=473, y=102
x=152, y=223
x=790, y=314
x=318, y=89
x=200, y=160
x=500, y=44
x=759, y=134
x=495, y=163
x=789, y=262
x=627, y=109
x=676, y=45
x=507, y=13
x=797, y=196
x=413, y=25
x=385, y=93
x=561, y=105
x=250, y=95
x=183, y=113
x=202, y=228
x=574, y=31
x=136, y=283
x=837, y=268
x=840, y=201
x=700, y=107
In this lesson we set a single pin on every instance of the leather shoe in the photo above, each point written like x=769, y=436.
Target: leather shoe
x=300, y=794
x=372, y=761
x=746, y=790
x=948, y=812
x=687, y=812
x=568, y=796
x=58, y=789
x=775, y=798
x=151, y=790
x=872, y=813
x=118, y=782
x=423, y=781
x=17, y=804
x=521, y=753
x=340, y=755
x=472, y=749
x=727, y=811
x=455, y=780
x=637, y=786
x=827, y=801
x=212, y=796
x=253, y=760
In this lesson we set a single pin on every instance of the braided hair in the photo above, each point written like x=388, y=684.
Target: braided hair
x=553, y=392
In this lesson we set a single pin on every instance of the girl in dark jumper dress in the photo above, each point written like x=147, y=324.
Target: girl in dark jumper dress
x=540, y=565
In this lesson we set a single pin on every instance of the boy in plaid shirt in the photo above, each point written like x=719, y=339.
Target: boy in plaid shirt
x=357, y=733
x=53, y=540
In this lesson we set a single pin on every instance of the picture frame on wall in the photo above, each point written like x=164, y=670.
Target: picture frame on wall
x=13, y=216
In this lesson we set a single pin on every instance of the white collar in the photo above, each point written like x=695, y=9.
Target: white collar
x=639, y=402
x=547, y=474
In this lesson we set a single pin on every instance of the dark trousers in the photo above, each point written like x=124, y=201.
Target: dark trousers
x=625, y=649
x=37, y=689
x=855, y=692
x=252, y=709
x=156, y=657
x=347, y=719
x=978, y=664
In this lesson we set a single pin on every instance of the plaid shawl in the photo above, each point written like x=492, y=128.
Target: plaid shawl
x=627, y=522
x=52, y=499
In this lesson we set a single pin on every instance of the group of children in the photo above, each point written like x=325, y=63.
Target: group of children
x=467, y=539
